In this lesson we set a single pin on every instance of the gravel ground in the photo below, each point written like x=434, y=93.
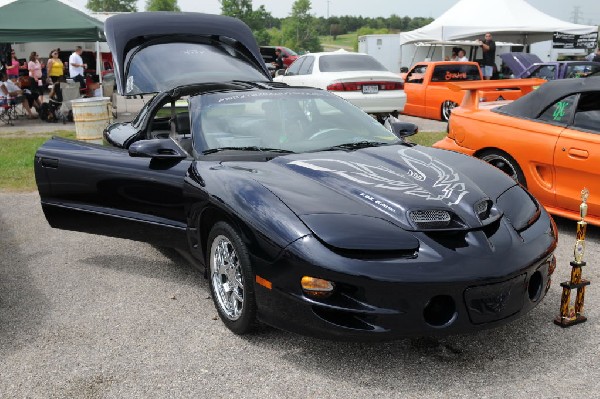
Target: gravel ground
x=84, y=316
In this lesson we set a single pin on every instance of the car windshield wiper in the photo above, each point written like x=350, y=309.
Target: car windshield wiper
x=358, y=145
x=248, y=148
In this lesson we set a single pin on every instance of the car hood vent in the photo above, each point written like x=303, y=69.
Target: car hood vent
x=430, y=219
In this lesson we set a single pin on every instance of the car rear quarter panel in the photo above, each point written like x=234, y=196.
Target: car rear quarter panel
x=529, y=142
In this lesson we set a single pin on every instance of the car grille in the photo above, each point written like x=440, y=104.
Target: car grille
x=430, y=219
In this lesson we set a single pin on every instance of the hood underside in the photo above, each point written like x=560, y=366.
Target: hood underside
x=519, y=62
x=187, y=49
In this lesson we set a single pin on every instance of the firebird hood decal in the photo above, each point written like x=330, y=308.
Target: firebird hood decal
x=385, y=182
x=382, y=182
x=422, y=169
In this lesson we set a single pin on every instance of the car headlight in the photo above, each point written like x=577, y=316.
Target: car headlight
x=519, y=207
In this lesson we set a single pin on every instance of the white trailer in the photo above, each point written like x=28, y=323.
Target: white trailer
x=546, y=52
x=384, y=48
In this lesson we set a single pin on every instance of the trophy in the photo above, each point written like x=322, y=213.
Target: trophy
x=571, y=315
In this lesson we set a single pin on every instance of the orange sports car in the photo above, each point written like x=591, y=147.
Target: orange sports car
x=548, y=140
x=427, y=91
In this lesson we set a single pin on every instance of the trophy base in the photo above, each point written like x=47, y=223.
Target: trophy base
x=564, y=323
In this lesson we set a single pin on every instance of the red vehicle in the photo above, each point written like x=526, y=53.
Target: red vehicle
x=268, y=54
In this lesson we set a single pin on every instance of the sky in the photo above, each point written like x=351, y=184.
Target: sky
x=586, y=11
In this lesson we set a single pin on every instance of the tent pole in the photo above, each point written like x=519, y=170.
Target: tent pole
x=98, y=62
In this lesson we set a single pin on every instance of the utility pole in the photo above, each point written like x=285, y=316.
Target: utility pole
x=575, y=14
x=328, y=9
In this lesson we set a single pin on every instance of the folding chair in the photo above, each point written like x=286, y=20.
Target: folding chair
x=5, y=111
x=70, y=91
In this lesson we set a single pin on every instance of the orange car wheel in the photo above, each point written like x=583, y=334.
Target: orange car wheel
x=505, y=163
x=447, y=107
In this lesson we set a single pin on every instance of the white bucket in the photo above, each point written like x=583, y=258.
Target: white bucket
x=91, y=116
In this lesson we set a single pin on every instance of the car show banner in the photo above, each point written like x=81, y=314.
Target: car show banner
x=572, y=41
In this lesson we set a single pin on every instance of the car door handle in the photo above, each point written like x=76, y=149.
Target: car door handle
x=49, y=163
x=577, y=153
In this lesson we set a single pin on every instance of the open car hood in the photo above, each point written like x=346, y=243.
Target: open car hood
x=519, y=62
x=158, y=51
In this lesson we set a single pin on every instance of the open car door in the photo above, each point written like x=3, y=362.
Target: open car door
x=134, y=194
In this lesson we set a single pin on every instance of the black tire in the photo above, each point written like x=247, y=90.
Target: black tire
x=446, y=110
x=228, y=261
x=505, y=163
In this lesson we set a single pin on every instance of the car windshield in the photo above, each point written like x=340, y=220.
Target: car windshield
x=152, y=70
x=349, y=62
x=281, y=120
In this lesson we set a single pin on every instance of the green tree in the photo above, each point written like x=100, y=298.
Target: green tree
x=236, y=8
x=258, y=20
x=299, y=29
x=162, y=5
x=111, y=5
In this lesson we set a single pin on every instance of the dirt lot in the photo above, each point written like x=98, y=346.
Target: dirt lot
x=84, y=316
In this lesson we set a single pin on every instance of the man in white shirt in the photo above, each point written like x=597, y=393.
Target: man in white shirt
x=76, y=67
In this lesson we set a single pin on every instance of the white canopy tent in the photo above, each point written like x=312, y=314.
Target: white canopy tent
x=508, y=20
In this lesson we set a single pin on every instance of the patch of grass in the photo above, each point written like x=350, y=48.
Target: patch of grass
x=345, y=41
x=16, y=159
x=426, y=138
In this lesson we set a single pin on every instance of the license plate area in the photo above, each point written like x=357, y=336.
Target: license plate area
x=370, y=89
x=494, y=302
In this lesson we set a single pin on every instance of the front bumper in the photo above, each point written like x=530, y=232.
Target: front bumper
x=427, y=295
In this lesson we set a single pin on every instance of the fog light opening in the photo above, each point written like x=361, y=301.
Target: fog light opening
x=534, y=288
x=317, y=287
x=440, y=311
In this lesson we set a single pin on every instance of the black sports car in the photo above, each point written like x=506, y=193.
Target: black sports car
x=308, y=214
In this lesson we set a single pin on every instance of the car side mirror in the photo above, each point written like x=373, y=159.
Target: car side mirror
x=280, y=72
x=403, y=129
x=157, y=149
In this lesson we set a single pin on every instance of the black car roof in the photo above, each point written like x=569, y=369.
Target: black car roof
x=533, y=104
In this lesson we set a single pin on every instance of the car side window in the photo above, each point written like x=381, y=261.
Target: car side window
x=307, y=66
x=587, y=113
x=581, y=71
x=544, y=72
x=294, y=69
x=561, y=111
x=417, y=74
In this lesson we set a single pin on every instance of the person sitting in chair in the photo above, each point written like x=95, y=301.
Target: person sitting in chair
x=9, y=89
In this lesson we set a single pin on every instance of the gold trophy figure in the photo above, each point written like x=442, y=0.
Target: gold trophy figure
x=570, y=315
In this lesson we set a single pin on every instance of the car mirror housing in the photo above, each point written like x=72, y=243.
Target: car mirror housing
x=280, y=72
x=404, y=129
x=157, y=149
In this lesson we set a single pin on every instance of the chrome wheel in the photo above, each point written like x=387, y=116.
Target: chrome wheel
x=447, y=107
x=227, y=278
x=505, y=163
